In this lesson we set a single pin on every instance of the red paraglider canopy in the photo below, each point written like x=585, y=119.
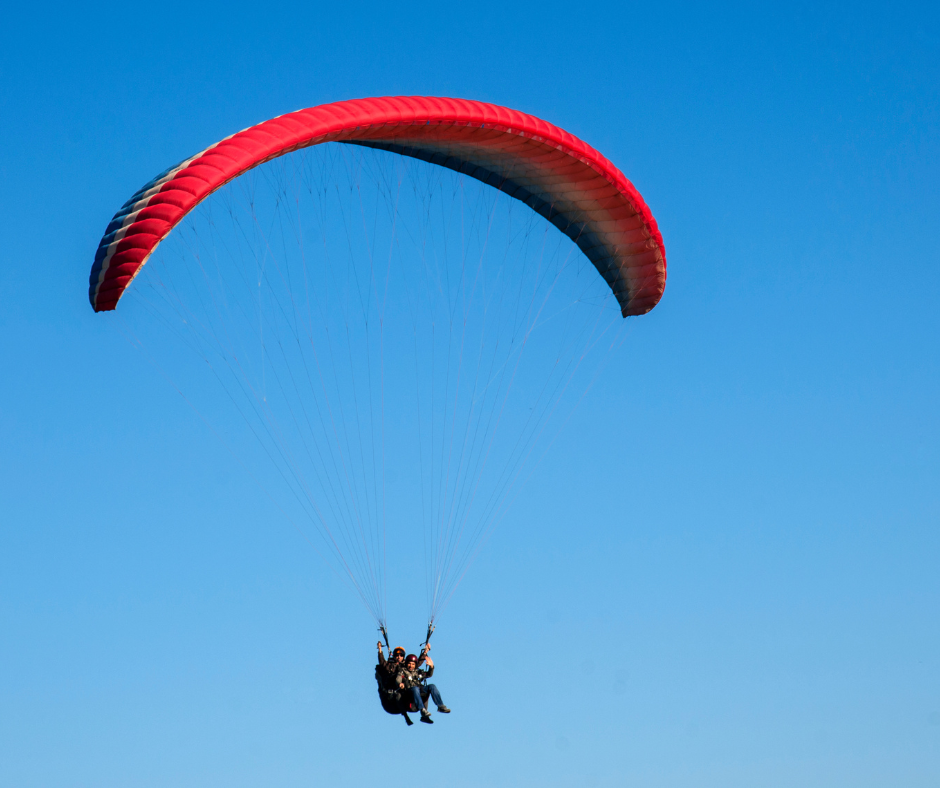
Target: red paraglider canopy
x=555, y=173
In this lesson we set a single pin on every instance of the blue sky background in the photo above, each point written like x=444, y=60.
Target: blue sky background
x=726, y=572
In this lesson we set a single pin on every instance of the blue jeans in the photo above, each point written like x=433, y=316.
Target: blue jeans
x=419, y=701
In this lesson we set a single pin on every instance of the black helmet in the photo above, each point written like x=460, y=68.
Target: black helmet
x=398, y=650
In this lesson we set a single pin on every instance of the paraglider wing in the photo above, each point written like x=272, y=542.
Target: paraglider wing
x=556, y=174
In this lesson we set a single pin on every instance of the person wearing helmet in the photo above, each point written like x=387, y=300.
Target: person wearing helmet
x=413, y=679
x=393, y=664
x=386, y=674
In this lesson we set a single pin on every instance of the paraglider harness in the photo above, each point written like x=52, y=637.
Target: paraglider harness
x=393, y=700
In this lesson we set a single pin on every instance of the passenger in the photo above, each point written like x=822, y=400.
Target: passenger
x=412, y=679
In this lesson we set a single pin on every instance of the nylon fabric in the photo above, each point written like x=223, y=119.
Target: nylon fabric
x=553, y=172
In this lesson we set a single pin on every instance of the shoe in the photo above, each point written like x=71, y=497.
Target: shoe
x=407, y=719
x=426, y=717
x=443, y=710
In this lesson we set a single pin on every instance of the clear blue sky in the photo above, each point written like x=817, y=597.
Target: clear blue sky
x=726, y=572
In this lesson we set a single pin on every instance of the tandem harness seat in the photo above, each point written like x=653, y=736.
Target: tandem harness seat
x=395, y=702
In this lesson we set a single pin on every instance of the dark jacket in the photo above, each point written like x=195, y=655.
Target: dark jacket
x=386, y=672
x=413, y=678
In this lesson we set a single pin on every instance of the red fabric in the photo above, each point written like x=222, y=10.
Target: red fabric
x=621, y=235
